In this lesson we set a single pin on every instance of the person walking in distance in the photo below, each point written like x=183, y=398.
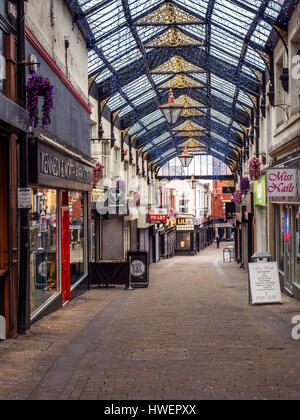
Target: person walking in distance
x=218, y=241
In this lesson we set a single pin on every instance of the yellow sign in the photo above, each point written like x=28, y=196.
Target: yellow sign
x=96, y=194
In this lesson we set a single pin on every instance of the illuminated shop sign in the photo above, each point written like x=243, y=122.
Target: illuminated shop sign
x=185, y=223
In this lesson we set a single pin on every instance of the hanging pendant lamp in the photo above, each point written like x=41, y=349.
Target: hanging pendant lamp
x=171, y=110
x=186, y=158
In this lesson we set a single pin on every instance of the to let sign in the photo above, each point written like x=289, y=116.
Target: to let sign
x=282, y=182
x=158, y=217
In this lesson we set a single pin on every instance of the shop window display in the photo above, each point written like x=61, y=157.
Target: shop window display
x=77, y=236
x=43, y=247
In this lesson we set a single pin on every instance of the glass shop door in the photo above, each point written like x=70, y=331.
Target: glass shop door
x=288, y=249
x=65, y=255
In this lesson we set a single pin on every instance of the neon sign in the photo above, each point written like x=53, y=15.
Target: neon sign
x=287, y=228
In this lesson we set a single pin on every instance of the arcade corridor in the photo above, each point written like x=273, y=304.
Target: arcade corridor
x=190, y=335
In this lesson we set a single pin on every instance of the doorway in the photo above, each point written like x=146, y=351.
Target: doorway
x=65, y=255
x=288, y=249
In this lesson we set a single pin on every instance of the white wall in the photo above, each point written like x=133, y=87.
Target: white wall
x=51, y=23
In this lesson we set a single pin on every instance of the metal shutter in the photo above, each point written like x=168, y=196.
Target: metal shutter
x=112, y=240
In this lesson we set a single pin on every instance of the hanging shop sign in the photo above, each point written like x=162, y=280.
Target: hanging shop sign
x=171, y=223
x=185, y=223
x=158, y=218
x=53, y=168
x=96, y=195
x=260, y=195
x=282, y=182
x=264, y=283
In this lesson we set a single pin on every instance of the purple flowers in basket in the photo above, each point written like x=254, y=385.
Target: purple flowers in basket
x=244, y=185
x=38, y=86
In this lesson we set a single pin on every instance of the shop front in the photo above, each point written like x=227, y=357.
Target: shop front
x=260, y=215
x=168, y=239
x=185, y=236
x=60, y=182
x=286, y=215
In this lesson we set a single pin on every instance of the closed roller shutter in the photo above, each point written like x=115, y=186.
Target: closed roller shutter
x=147, y=241
x=112, y=240
x=141, y=240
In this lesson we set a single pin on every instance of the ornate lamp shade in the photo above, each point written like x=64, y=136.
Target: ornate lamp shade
x=171, y=110
x=185, y=158
x=194, y=182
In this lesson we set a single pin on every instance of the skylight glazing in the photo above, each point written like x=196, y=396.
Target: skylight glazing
x=225, y=38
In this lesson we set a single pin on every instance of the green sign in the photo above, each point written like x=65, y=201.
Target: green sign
x=260, y=195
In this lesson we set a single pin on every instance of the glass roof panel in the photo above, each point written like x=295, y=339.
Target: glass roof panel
x=123, y=60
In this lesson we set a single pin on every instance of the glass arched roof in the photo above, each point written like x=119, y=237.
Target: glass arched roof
x=210, y=52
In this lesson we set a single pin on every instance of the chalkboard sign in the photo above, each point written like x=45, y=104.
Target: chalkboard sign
x=264, y=283
x=138, y=268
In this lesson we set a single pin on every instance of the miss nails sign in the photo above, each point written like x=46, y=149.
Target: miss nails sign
x=282, y=183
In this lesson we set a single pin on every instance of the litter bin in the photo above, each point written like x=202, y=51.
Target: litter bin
x=227, y=255
x=260, y=256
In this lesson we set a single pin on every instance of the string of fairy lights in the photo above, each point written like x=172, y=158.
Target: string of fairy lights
x=129, y=39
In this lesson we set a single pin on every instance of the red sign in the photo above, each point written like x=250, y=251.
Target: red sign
x=158, y=217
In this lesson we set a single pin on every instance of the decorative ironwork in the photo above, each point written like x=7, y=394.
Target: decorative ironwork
x=253, y=99
x=259, y=75
x=192, y=143
x=265, y=57
x=131, y=46
x=283, y=33
x=169, y=14
x=189, y=125
x=248, y=110
x=181, y=81
x=173, y=38
x=190, y=134
x=177, y=65
x=191, y=112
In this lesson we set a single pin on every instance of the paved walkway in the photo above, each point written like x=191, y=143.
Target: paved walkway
x=190, y=335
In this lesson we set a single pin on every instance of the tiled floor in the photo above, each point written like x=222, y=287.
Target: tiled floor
x=190, y=335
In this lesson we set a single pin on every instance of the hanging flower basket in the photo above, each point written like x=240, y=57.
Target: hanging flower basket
x=38, y=86
x=254, y=169
x=237, y=197
x=244, y=185
x=98, y=173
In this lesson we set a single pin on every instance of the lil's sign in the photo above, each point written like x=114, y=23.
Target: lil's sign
x=282, y=182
